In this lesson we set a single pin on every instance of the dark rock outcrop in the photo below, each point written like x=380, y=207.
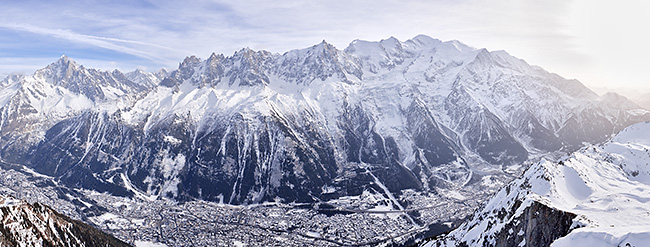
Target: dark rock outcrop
x=538, y=226
x=24, y=224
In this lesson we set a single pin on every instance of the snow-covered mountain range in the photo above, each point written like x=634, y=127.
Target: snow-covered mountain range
x=597, y=196
x=307, y=125
x=391, y=126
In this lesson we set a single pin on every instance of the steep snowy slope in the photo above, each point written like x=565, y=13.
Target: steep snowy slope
x=597, y=196
x=24, y=224
x=29, y=108
x=30, y=105
x=92, y=83
x=313, y=124
x=148, y=80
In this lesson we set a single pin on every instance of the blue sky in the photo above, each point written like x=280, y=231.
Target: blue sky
x=601, y=43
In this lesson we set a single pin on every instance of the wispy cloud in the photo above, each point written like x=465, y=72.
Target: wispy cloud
x=102, y=42
x=162, y=33
x=200, y=27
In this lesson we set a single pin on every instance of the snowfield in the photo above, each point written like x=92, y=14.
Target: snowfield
x=605, y=186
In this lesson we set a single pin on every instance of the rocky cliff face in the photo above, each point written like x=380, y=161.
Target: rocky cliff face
x=24, y=224
x=538, y=225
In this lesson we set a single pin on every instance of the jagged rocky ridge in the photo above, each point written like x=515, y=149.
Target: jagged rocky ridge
x=25, y=224
x=597, y=196
x=307, y=125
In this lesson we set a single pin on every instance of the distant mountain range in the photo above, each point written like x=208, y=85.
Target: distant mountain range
x=640, y=96
x=306, y=126
x=644, y=101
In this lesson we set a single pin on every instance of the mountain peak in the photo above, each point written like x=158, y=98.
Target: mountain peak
x=460, y=46
x=422, y=40
x=618, y=101
x=190, y=61
x=390, y=39
x=162, y=72
x=65, y=67
x=12, y=78
x=243, y=51
x=65, y=60
x=484, y=56
x=322, y=49
x=248, y=54
x=422, y=37
x=215, y=57
x=390, y=43
x=324, y=45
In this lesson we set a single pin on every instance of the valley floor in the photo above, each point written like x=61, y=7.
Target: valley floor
x=369, y=219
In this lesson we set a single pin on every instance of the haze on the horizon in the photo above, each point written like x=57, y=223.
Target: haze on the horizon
x=601, y=43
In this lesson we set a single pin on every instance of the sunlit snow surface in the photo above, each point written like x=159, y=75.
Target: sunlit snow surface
x=607, y=186
x=614, y=197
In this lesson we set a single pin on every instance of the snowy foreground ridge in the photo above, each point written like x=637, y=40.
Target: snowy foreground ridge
x=601, y=191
